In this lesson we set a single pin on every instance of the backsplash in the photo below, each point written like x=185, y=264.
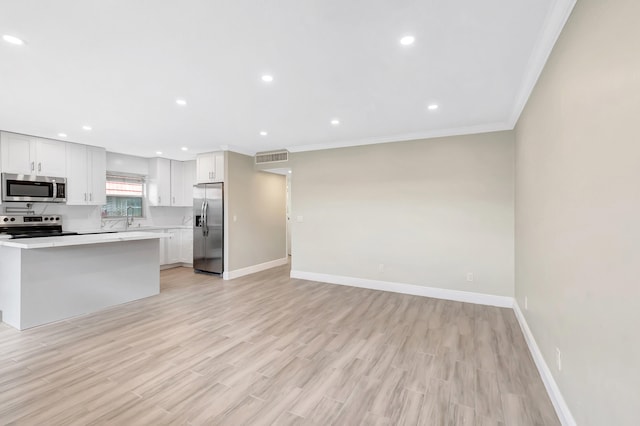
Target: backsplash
x=88, y=218
x=154, y=216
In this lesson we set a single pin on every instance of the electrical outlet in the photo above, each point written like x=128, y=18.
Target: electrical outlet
x=469, y=276
x=526, y=303
x=559, y=359
x=300, y=219
x=381, y=267
x=235, y=218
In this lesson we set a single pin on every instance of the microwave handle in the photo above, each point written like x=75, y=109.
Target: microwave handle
x=56, y=193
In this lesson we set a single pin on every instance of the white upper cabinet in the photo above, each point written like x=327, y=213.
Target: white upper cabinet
x=29, y=155
x=210, y=167
x=50, y=157
x=159, y=185
x=171, y=182
x=86, y=175
x=77, y=192
x=183, y=177
x=16, y=154
x=188, y=182
x=97, y=175
x=177, y=183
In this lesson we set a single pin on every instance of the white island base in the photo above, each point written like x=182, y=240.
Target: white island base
x=43, y=282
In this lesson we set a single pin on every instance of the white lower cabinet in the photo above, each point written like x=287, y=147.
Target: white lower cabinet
x=178, y=248
x=173, y=247
x=186, y=245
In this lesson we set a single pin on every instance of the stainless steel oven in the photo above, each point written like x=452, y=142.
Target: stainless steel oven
x=31, y=188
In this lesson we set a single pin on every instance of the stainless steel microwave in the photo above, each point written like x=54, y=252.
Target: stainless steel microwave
x=31, y=188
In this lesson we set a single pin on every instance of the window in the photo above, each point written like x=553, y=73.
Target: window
x=124, y=192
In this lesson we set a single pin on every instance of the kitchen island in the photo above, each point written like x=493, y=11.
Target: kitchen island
x=43, y=280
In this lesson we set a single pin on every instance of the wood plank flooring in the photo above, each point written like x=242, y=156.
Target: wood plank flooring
x=266, y=349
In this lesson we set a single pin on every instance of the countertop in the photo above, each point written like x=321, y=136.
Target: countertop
x=131, y=229
x=76, y=240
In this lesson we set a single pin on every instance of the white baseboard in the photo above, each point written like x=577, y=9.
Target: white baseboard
x=254, y=268
x=562, y=410
x=416, y=290
x=176, y=265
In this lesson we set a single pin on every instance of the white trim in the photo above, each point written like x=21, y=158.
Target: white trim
x=254, y=268
x=562, y=409
x=176, y=265
x=456, y=131
x=554, y=23
x=238, y=149
x=416, y=290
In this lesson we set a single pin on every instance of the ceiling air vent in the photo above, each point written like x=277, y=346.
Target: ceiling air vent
x=272, y=157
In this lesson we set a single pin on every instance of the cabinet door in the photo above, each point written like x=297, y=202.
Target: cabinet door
x=219, y=167
x=77, y=166
x=173, y=247
x=177, y=183
x=16, y=154
x=186, y=246
x=50, y=157
x=163, y=251
x=159, y=186
x=97, y=175
x=188, y=182
x=206, y=168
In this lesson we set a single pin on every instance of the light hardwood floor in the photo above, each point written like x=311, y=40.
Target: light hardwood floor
x=267, y=349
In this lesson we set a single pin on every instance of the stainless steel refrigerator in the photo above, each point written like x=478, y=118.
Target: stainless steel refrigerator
x=208, y=227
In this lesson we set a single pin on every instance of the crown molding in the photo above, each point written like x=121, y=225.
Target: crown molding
x=456, y=131
x=555, y=20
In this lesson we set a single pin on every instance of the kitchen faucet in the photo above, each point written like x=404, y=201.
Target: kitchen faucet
x=127, y=223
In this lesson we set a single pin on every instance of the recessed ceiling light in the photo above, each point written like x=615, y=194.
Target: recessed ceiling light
x=407, y=40
x=158, y=152
x=184, y=148
x=62, y=135
x=263, y=133
x=289, y=171
x=267, y=78
x=335, y=122
x=87, y=128
x=13, y=40
x=181, y=102
x=433, y=107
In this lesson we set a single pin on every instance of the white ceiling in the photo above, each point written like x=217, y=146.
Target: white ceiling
x=119, y=66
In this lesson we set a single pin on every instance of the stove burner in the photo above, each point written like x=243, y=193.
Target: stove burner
x=32, y=226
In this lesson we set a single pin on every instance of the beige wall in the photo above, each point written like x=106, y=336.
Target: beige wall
x=429, y=210
x=258, y=201
x=578, y=212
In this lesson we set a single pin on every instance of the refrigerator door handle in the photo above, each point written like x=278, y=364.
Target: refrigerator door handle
x=205, y=224
x=202, y=219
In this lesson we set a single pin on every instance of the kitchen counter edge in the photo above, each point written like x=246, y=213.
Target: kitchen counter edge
x=77, y=240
